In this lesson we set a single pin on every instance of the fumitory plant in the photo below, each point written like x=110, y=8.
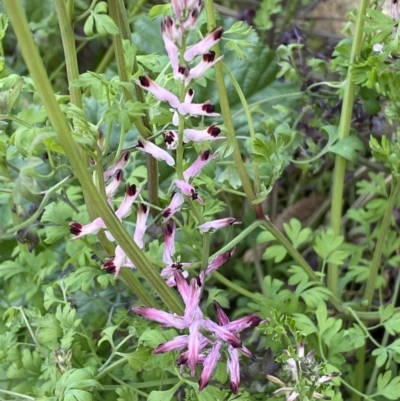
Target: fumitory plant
x=195, y=207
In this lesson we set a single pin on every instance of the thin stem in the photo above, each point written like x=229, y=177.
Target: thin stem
x=37, y=71
x=376, y=259
x=17, y=395
x=344, y=129
x=226, y=115
x=71, y=62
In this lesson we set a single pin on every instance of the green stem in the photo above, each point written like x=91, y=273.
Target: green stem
x=36, y=68
x=376, y=259
x=235, y=287
x=344, y=129
x=17, y=395
x=252, y=133
x=71, y=62
x=226, y=115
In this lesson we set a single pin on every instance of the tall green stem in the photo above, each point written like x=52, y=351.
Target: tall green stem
x=36, y=68
x=226, y=115
x=376, y=259
x=344, y=129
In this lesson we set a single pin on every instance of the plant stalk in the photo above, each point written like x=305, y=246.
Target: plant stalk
x=344, y=129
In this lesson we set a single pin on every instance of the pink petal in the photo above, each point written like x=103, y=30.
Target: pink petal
x=222, y=317
x=189, y=96
x=140, y=229
x=120, y=164
x=195, y=135
x=167, y=319
x=116, y=181
x=183, y=286
x=206, y=63
x=158, y=91
x=191, y=21
x=193, y=346
x=199, y=163
x=252, y=320
x=217, y=224
x=120, y=260
x=198, y=109
x=125, y=208
x=222, y=333
x=192, y=309
x=218, y=261
x=234, y=369
x=178, y=342
x=174, y=206
x=169, y=244
x=155, y=151
x=188, y=190
x=210, y=364
x=80, y=230
x=204, y=45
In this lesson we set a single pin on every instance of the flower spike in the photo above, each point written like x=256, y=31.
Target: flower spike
x=155, y=151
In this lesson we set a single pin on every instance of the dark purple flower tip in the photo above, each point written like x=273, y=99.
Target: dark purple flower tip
x=109, y=267
x=169, y=137
x=76, y=228
x=130, y=190
x=183, y=70
x=254, y=320
x=195, y=13
x=144, y=208
x=205, y=155
x=119, y=175
x=125, y=156
x=140, y=144
x=194, y=195
x=166, y=23
x=166, y=213
x=209, y=57
x=182, y=359
x=144, y=81
x=208, y=108
x=190, y=92
x=168, y=229
x=213, y=130
x=202, y=384
x=217, y=33
x=234, y=388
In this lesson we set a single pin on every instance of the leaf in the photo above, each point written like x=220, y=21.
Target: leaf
x=388, y=388
x=163, y=395
x=296, y=235
x=276, y=252
x=347, y=147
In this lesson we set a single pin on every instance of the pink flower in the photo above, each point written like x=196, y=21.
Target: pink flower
x=120, y=164
x=204, y=45
x=175, y=205
x=120, y=260
x=158, y=91
x=140, y=229
x=169, y=242
x=80, y=230
x=217, y=224
x=167, y=273
x=125, y=208
x=188, y=191
x=198, y=109
x=207, y=62
x=155, y=151
x=218, y=261
x=209, y=134
x=113, y=186
x=195, y=342
x=171, y=139
x=199, y=163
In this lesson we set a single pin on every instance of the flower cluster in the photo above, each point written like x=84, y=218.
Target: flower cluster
x=309, y=370
x=206, y=338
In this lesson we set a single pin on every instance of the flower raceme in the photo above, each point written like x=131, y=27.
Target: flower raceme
x=205, y=338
